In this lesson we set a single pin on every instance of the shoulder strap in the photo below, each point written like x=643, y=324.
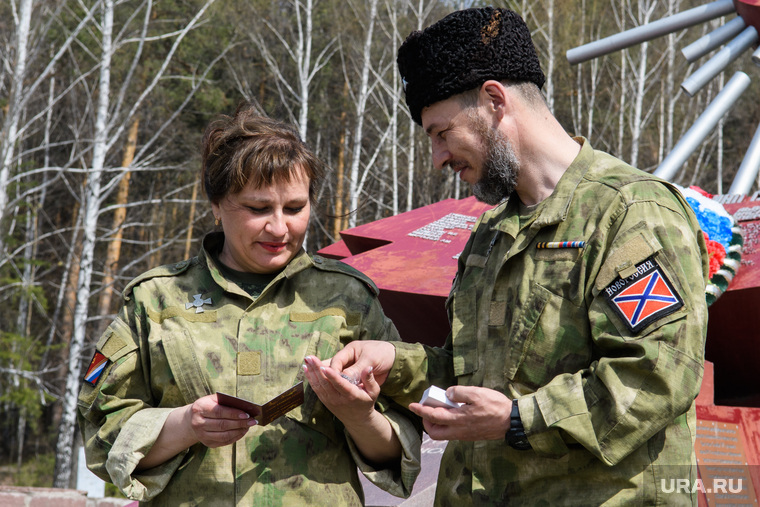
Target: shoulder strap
x=335, y=266
x=166, y=270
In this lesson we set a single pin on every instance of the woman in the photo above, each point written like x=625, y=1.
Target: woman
x=241, y=319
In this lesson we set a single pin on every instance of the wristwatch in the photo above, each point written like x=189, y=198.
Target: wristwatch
x=515, y=436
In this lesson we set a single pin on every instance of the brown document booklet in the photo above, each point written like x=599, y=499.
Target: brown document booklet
x=269, y=411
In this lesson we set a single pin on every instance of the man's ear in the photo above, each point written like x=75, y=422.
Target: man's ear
x=493, y=95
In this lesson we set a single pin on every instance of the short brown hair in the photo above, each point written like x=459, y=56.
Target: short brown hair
x=251, y=149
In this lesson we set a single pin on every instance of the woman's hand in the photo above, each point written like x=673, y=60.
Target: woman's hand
x=216, y=425
x=354, y=404
x=352, y=401
x=204, y=421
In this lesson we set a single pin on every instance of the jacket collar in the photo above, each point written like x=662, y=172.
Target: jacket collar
x=554, y=208
x=214, y=241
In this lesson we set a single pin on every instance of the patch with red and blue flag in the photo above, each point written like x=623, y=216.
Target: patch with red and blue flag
x=644, y=297
x=97, y=365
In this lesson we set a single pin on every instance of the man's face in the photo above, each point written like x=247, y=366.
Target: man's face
x=481, y=154
x=500, y=168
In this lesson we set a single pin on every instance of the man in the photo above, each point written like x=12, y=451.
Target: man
x=578, y=311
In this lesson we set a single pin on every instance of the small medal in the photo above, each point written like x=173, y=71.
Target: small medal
x=198, y=303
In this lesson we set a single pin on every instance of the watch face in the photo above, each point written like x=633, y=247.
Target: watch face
x=521, y=444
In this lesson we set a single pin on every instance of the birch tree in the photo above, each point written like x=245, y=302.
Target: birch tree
x=12, y=117
x=362, y=94
x=296, y=42
x=111, y=120
x=23, y=89
x=64, y=452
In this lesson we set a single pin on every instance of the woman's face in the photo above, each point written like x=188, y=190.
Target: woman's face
x=264, y=228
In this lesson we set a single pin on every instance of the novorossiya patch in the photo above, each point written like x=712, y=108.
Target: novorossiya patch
x=643, y=297
x=97, y=365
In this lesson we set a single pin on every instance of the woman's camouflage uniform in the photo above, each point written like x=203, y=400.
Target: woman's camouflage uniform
x=607, y=404
x=185, y=332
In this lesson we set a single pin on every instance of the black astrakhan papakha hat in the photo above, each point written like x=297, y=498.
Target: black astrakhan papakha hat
x=461, y=52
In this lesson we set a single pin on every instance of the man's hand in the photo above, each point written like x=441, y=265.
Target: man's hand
x=483, y=415
x=349, y=402
x=357, y=356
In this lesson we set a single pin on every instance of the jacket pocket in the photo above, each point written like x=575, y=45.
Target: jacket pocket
x=183, y=361
x=312, y=412
x=523, y=330
x=464, y=332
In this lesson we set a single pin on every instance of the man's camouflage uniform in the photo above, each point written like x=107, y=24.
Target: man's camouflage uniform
x=607, y=404
x=169, y=347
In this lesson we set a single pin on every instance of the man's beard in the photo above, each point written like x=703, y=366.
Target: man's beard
x=500, y=165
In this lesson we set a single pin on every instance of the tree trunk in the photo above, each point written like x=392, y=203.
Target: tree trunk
x=191, y=220
x=64, y=448
x=549, y=89
x=114, y=246
x=361, y=106
x=10, y=127
x=339, y=223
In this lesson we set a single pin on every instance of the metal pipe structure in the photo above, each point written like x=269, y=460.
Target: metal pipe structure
x=720, y=61
x=756, y=57
x=712, y=40
x=703, y=125
x=650, y=31
x=745, y=176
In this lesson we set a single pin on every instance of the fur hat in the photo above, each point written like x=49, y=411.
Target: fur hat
x=461, y=52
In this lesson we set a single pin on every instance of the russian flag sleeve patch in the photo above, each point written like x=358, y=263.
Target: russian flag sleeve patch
x=644, y=297
x=97, y=365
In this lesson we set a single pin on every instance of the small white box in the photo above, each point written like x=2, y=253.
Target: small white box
x=436, y=397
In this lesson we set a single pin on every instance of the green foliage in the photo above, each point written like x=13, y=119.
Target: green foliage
x=113, y=492
x=20, y=355
x=36, y=472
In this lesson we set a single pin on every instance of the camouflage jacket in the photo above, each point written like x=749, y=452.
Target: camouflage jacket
x=184, y=332
x=604, y=369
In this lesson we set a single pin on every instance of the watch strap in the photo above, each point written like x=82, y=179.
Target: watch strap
x=516, y=437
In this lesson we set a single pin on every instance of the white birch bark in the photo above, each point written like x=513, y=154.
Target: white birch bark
x=550, y=59
x=354, y=185
x=91, y=206
x=23, y=90
x=721, y=124
x=410, y=166
x=300, y=51
x=419, y=13
x=645, y=10
x=623, y=95
x=395, y=103
x=10, y=129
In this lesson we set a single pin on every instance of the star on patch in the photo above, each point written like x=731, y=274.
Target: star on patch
x=643, y=297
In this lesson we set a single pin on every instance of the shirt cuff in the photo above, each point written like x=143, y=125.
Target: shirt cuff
x=544, y=440
x=407, y=379
x=135, y=439
x=399, y=479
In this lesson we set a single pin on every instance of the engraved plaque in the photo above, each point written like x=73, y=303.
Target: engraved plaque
x=724, y=476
